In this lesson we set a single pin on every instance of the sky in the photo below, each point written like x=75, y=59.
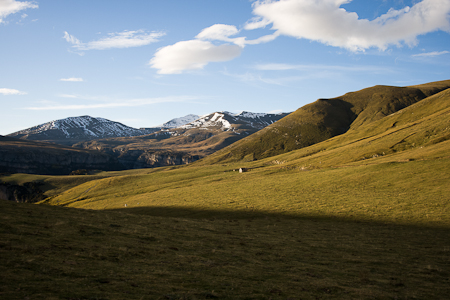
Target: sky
x=145, y=62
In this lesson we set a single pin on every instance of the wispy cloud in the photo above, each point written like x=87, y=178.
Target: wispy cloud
x=431, y=54
x=276, y=111
x=8, y=7
x=287, y=74
x=326, y=22
x=72, y=79
x=223, y=32
x=5, y=91
x=125, y=39
x=318, y=67
x=114, y=103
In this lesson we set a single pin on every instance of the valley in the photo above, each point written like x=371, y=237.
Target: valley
x=346, y=198
x=174, y=143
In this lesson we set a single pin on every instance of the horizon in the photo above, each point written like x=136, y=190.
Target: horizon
x=146, y=63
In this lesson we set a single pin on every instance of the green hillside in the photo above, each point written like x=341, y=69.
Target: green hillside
x=405, y=152
x=364, y=214
x=326, y=118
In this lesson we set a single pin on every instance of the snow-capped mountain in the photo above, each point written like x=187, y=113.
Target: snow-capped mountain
x=77, y=128
x=228, y=121
x=74, y=130
x=178, y=122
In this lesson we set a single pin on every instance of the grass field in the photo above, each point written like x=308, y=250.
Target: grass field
x=64, y=253
x=363, y=215
x=357, y=232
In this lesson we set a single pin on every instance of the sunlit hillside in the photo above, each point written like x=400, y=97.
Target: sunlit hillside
x=362, y=215
x=326, y=118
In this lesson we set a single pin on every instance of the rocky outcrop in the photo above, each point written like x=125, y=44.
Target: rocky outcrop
x=137, y=159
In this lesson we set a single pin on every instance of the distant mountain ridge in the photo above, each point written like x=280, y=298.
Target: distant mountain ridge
x=185, y=143
x=178, y=141
x=71, y=129
x=223, y=137
x=227, y=121
x=177, y=122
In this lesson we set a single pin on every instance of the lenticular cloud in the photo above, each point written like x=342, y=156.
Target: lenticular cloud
x=191, y=55
x=326, y=22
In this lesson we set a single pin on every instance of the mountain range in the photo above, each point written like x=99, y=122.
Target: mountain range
x=75, y=129
x=345, y=198
x=223, y=137
x=178, y=141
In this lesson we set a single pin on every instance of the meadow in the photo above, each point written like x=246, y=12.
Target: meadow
x=362, y=215
x=357, y=232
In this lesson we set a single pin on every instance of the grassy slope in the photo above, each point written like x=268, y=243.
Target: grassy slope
x=378, y=171
x=336, y=220
x=60, y=253
x=326, y=118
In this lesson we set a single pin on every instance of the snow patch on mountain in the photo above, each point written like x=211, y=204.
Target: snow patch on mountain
x=178, y=122
x=81, y=128
x=246, y=114
x=228, y=121
x=216, y=119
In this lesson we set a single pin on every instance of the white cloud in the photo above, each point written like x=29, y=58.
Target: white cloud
x=6, y=92
x=72, y=79
x=276, y=111
x=222, y=32
x=256, y=23
x=113, y=103
x=191, y=55
x=431, y=54
x=323, y=21
x=8, y=7
x=71, y=39
x=326, y=22
x=125, y=39
x=195, y=54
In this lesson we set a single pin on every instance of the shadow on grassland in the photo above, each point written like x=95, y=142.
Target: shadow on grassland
x=182, y=253
x=211, y=214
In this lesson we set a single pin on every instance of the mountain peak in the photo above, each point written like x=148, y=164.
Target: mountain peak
x=77, y=128
x=229, y=122
x=178, y=122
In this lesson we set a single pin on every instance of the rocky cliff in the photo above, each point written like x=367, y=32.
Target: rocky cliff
x=137, y=159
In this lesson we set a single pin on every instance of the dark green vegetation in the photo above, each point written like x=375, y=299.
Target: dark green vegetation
x=362, y=215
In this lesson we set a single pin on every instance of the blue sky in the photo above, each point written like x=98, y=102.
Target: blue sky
x=143, y=63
